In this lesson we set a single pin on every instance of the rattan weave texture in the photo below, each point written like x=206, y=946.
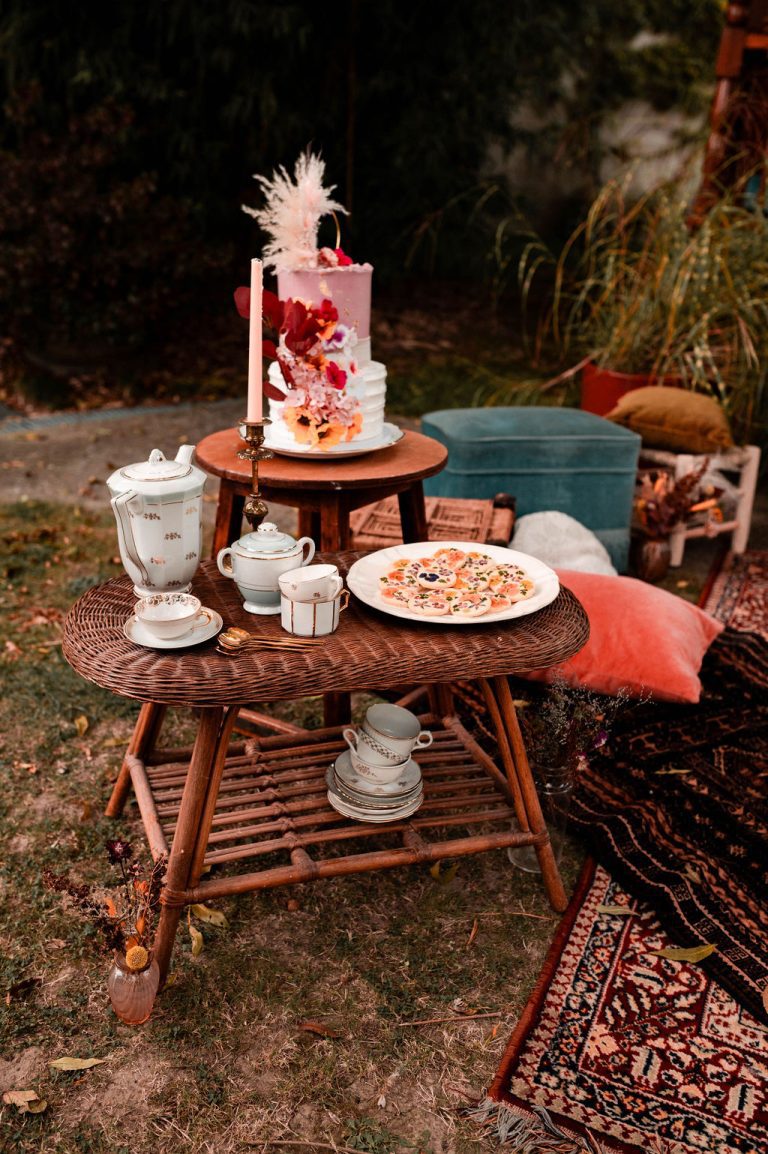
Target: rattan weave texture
x=369, y=650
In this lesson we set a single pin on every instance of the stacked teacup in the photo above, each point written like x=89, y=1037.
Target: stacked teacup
x=376, y=779
x=311, y=599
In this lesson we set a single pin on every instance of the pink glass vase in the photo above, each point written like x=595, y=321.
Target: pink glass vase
x=132, y=992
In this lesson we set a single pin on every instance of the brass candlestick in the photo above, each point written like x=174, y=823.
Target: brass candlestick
x=252, y=433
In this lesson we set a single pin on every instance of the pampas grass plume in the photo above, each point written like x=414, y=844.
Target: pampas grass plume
x=292, y=213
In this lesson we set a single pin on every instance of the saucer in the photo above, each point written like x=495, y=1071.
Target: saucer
x=370, y=813
x=137, y=632
x=368, y=801
x=408, y=779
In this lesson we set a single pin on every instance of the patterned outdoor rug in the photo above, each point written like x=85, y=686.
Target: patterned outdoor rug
x=619, y=1049
x=679, y=814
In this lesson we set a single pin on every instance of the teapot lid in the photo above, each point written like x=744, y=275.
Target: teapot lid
x=156, y=468
x=267, y=539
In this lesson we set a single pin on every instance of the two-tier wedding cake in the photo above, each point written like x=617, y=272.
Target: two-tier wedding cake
x=324, y=389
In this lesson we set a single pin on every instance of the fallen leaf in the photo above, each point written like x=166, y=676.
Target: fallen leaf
x=198, y=941
x=473, y=932
x=693, y=954
x=37, y=1106
x=622, y=911
x=19, y=1097
x=682, y=584
x=12, y=651
x=76, y=1063
x=113, y=743
x=692, y=874
x=443, y=876
x=381, y=1102
x=669, y=772
x=81, y=725
x=318, y=1028
x=213, y=917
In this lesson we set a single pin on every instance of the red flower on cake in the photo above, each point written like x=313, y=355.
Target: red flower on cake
x=327, y=317
x=333, y=258
x=335, y=376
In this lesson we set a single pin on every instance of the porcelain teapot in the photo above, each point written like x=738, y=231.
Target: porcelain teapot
x=158, y=508
x=256, y=561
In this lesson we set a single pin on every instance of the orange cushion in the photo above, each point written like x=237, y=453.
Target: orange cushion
x=642, y=640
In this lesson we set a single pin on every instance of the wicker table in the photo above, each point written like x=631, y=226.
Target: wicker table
x=326, y=490
x=221, y=802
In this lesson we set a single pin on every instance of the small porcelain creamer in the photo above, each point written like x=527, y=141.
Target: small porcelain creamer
x=256, y=561
x=158, y=508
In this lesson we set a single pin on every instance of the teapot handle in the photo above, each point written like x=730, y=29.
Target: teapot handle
x=225, y=569
x=310, y=551
x=125, y=534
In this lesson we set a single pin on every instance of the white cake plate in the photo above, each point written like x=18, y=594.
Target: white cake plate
x=390, y=435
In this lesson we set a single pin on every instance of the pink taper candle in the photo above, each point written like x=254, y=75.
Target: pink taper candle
x=254, y=410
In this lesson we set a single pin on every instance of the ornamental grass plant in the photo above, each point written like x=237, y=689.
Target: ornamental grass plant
x=637, y=289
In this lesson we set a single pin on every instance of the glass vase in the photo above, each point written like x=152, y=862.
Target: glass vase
x=132, y=992
x=554, y=785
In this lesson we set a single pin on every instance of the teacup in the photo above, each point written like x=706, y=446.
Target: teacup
x=391, y=731
x=381, y=774
x=312, y=618
x=311, y=583
x=373, y=756
x=168, y=615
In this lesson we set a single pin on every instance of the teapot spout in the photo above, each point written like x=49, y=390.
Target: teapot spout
x=185, y=454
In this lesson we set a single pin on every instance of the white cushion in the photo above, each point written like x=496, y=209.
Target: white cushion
x=562, y=542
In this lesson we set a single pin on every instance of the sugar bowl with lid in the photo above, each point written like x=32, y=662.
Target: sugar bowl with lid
x=257, y=560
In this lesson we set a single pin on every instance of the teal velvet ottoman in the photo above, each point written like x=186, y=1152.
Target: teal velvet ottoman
x=547, y=458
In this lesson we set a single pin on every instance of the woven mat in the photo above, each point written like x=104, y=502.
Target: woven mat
x=678, y=813
x=620, y=1049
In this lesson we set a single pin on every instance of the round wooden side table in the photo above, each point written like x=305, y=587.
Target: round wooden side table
x=325, y=490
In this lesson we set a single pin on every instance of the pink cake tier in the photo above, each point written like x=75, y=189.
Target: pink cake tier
x=349, y=288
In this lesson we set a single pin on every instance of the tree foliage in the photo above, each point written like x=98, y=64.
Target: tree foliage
x=403, y=100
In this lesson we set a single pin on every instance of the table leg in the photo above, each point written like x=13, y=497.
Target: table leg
x=229, y=517
x=334, y=528
x=187, y=834
x=310, y=524
x=142, y=743
x=515, y=759
x=413, y=513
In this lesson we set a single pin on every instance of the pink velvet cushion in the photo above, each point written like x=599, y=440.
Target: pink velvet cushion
x=642, y=639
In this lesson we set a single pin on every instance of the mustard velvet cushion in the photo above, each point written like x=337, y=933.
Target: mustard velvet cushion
x=676, y=419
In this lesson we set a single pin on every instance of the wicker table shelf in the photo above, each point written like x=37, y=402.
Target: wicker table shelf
x=222, y=802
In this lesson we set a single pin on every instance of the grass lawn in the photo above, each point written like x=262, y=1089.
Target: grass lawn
x=298, y=1026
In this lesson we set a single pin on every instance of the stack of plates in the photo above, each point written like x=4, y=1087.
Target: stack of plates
x=362, y=800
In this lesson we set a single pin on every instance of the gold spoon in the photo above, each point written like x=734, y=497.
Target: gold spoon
x=234, y=640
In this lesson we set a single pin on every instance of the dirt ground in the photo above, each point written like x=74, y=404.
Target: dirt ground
x=68, y=457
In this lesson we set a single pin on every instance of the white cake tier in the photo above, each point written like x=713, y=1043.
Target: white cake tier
x=368, y=386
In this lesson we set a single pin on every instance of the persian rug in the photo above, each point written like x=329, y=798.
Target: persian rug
x=620, y=1049
x=678, y=812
